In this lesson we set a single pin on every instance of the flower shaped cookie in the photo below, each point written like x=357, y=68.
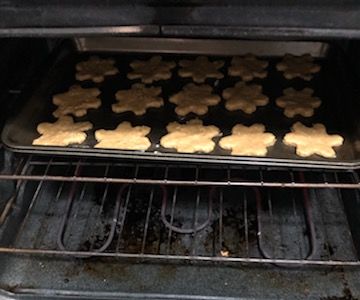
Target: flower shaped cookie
x=201, y=68
x=312, y=140
x=190, y=137
x=76, y=101
x=151, y=70
x=251, y=141
x=62, y=133
x=125, y=137
x=298, y=102
x=248, y=67
x=137, y=99
x=95, y=69
x=246, y=97
x=194, y=99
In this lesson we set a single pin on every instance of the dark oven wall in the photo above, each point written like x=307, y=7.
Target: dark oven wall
x=22, y=63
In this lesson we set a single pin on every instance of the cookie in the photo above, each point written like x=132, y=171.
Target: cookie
x=62, y=133
x=190, y=137
x=312, y=140
x=76, y=101
x=298, y=66
x=151, y=70
x=248, y=67
x=245, y=97
x=95, y=69
x=201, y=68
x=297, y=102
x=124, y=137
x=250, y=141
x=137, y=99
x=194, y=99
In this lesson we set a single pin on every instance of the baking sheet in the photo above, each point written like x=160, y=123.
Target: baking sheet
x=336, y=112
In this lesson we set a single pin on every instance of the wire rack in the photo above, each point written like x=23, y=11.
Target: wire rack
x=172, y=212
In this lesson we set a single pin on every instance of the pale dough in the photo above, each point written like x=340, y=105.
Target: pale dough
x=76, y=101
x=297, y=102
x=298, y=66
x=201, y=68
x=95, y=69
x=124, y=137
x=194, y=99
x=246, y=97
x=312, y=140
x=251, y=141
x=248, y=67
x=190, y=137
x=137, y=99
x=62, y=133
x=151, y=70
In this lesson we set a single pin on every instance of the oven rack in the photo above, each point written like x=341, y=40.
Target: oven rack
x=96, y=208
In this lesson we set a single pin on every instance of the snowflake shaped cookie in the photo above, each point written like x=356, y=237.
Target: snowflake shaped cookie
x=95, y=69
x=245, y=97
x=250, y=141
x=190, y=137
x=62, y=133
x=297, y=102
x=248, y=67
x=312, y=140
x=137, y=99
x=201, y=68
x=76, y=101
x=194, y=98
x=151, y=70
x=298, y=66
x=124, y=137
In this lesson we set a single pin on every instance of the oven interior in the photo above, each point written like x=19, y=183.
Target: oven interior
x=122, y=228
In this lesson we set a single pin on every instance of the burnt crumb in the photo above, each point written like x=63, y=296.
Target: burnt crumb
x=9, y=288
x=66, y=280
x=347, y=296
x=96, y=241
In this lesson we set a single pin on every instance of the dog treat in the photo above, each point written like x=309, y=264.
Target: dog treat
x=248, y=67
x=62, y=133
x=251, y=141
x=190, y=137
x=76, y=101
x=201, y=68
x=297, y=102
x=298, y=66
x=124, y=137
x=245, y=97
x=151, y=70
x=137, y=99
x=194, y=98
x=95, y=69
x=312, y=140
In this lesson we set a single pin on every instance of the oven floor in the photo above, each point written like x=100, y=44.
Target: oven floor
x=105, y=278
x=128, y=281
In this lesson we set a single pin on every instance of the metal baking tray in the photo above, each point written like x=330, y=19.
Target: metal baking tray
x=338, y=110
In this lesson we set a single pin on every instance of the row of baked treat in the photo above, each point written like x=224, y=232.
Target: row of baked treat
x=199, y=69
x=192, y=137
x=191, y=99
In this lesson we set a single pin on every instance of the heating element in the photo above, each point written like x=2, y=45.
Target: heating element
x=84, y=208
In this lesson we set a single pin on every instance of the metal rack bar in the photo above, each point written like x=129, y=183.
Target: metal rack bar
x=181, y=182
x=240, y=219
x=180, y=257
x=220, y=180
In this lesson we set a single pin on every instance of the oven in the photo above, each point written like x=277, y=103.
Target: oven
x=82, y=222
